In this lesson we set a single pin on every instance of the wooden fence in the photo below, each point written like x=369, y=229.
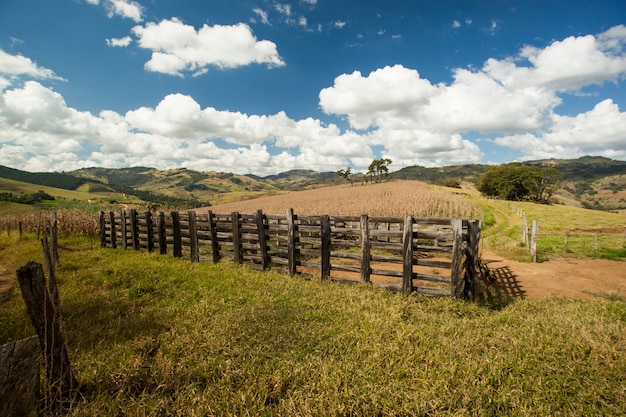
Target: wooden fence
x=431, y=256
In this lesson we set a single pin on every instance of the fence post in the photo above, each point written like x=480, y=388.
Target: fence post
x=215, y=246
x=595, y=244
x=193, y=237
x=624, y=239
x=407, y=256
x=291, y=241
x=473, y=238
x=42, y=315
x=326, y=243
x=123, y=227
x=39, y=224
x=103, y=236
x=178, y=240
x=113, y=232
x=525, y=231
x=52, y=279
x=457, y=255
x=150, y=231
x=134, y=228
x=54, y=238
x=366, y=267
x=237, y=248
x=19, y=380
x=533, y=249
x=565, y=239
x=161, y=233
x=260, y=225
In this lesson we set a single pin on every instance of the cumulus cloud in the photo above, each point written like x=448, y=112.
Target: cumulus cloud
x=16, y=65
x=392, y=112
x=600, y=131
x=566, y=65
x=124, y=8
x=516, y=96
x=178, y=48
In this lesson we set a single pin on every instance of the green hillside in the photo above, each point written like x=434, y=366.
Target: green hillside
x=591, y=182
x=50, y=179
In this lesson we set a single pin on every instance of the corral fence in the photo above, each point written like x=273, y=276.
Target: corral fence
x=431, y=256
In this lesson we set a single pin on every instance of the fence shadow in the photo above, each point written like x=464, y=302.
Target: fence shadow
x=498, y=287
x=504, y=281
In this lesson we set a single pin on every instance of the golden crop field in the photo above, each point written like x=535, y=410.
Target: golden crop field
x=393, y=199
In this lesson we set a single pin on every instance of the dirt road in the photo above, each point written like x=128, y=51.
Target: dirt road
x=579, y=278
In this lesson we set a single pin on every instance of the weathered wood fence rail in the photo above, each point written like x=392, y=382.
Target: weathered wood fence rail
x=432, y=256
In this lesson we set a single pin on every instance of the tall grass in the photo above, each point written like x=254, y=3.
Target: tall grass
x=71, y=221
x=157, y=336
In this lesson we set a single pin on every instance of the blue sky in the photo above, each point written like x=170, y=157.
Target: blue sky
x=264, y=86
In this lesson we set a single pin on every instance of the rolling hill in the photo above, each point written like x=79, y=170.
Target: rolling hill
x=592, y=182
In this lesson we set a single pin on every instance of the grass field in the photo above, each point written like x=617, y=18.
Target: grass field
x=159, y=336
x=153, y=335
x=504, y=223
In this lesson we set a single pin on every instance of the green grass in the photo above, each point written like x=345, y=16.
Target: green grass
x=151, y=335
x=502, y=230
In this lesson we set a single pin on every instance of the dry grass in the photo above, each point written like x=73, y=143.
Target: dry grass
x=73, y=221
x=394, y=199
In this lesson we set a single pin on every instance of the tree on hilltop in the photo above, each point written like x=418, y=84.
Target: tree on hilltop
x=516, y=181
x=378, y=167
x=346, y=174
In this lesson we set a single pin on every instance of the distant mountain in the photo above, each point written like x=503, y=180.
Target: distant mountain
x=590, y=181
x=584, y=168
x=469, y=173
x=298, y=178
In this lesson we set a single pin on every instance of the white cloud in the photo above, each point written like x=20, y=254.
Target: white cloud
x=600, y=131
x=119, y=42
x=385, y=92
x=493, y=28
x=178, y=48
x=517, y=96
x=456, y=24
x=515, y=100
x=124, y=8
x=262, y=15
x=16, y=65
x=566, y=65
x=284, y=9
x=339, y=24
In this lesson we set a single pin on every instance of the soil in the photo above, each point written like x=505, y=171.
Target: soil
x=583, y=278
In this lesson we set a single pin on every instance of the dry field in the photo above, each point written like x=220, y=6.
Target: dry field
x=393, y=199
x=71, y=221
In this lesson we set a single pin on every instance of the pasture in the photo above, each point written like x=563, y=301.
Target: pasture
x=151, y=335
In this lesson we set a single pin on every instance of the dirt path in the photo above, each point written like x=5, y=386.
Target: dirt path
x=583, y=278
